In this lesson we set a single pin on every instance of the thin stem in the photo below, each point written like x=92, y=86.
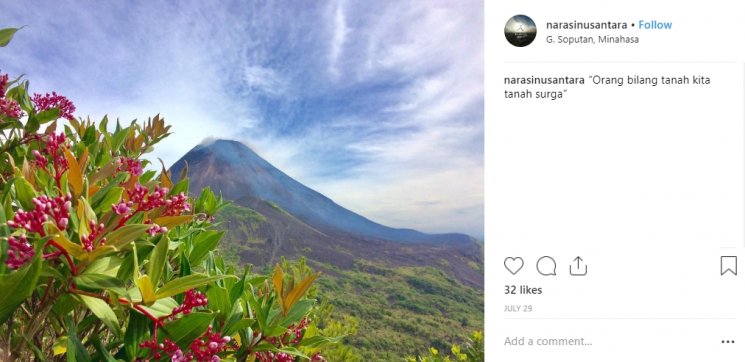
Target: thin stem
x=66, y=254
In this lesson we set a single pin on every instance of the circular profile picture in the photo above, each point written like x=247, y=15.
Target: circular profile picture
x=520, y=30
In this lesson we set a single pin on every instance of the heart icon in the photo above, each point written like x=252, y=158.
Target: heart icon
x=513, y=265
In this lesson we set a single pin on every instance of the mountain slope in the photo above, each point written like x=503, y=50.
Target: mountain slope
x=235, y=170
x=408, y=290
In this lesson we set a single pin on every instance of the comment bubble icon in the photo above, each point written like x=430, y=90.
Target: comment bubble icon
x=546, y=266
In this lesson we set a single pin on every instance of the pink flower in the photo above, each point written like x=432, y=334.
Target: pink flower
x=10, y=108
x=51, y=148
x=145, y=200
x=3, y=84
x=155, y=230
x=121, y=208
x=20, y=252
x=167, y=347
x=88, y=241
x=206, y=347
x=45, y=208
x=317, y=358
x=192, y=299
x=134, y=167
x=177, y=205
x=46, y=102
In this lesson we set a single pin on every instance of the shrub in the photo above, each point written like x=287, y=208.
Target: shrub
x=103, y=259
x=472, y=352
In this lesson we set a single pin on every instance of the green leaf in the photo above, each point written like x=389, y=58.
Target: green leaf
x=203, y=244
x=158, y=260
x=103, y=311
x=32, y=125
x=185, y=267
x=120, y=238
x=37, y=352
x=181, y=186
x=22, y=283
x=25, y=193
x=219, y=302
x=187, y=328
x=50, y=271
x=298, y=311
x=180, y=285
x=90, y=135
x=318, y=341
x=60, y=238
x=47, y=116
x=89, y=281
x=112, y=196
x=138, y=330
x=126, y=270
x=171, y=222
x=103, y=352
x=235, y=319
x=294, y=352
x=107, y=266
x=162, y=307
x=85, y=215
x=7, y=34
x=75, y=350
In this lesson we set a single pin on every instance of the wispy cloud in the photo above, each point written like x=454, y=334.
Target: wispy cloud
x=378, y=105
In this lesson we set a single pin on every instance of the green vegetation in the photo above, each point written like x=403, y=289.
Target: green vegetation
x=472, y=351
x=101, y=260
x=240, y=223
x=388, y=313
x=402, y=311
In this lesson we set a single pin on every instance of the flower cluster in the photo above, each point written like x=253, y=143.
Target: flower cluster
x=156, y=229
x=55, y=209
x=133, y=166
x=51, y=149
x=49, y=101
x=3, y=84
x=8, y=107
x=157, y=349
x=96, y=231
x=270, y=356
x=177, y=205
x=142, y=200
x=202, y=349
x=206, y=347
x=192, y=299
x=146, y=200
x=19, y=252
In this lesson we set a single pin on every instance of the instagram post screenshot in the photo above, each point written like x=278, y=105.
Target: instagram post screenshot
x=615, y=181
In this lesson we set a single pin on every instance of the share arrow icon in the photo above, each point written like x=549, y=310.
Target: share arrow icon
x=578, y=268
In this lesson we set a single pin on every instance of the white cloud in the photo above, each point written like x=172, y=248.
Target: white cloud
x=338, y=39
x=265, y=80
x=416, y=161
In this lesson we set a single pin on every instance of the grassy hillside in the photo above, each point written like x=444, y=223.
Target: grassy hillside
x=401, y=310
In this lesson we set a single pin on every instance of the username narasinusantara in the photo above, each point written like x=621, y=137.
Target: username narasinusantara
x=587, y=25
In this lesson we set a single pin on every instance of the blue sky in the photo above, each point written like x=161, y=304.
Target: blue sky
x=376, y=104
